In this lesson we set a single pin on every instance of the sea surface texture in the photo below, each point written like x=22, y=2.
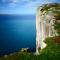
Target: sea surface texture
x=16, y=32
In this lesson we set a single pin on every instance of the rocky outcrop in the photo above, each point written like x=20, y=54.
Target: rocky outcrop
x=24, y=49
x=45, y=20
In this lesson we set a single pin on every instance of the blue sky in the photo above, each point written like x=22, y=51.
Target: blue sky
x=22, y=6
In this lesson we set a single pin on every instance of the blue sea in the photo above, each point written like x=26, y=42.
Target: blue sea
x=16, y=32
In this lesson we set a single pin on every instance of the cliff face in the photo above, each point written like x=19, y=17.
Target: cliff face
x=45, y=19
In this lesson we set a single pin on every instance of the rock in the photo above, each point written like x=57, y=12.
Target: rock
x=24, y=49
x=45, y=19
x=5, y=56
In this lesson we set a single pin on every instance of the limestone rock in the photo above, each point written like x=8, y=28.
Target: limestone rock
x=45, y=18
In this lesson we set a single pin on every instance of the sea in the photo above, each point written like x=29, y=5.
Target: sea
x=17, y=32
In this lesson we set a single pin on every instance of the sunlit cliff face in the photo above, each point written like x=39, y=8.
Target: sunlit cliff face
x=45, y=19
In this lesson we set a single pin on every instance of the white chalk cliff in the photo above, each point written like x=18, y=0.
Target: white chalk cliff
x=45, y=19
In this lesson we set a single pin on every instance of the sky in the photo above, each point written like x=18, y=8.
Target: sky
x=22, y=6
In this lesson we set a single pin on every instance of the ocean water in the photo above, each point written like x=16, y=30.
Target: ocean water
x=16, y=32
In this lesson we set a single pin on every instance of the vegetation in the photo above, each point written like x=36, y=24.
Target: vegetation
x=57, y=22
x=51, y=5
x=51, y=52
x=57, y=27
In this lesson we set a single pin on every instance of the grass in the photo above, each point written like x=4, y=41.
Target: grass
x=51, y=52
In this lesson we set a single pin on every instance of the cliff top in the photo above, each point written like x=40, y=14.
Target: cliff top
x=48, y=6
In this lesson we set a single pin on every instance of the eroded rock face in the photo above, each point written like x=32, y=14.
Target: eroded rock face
x=45, y=19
